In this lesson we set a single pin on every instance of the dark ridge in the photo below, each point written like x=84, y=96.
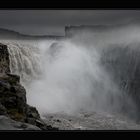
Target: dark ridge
x=72, y=30
x=10, y=34
x=69, y=30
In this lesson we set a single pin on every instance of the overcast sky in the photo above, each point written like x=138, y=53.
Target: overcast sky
x=40, y=22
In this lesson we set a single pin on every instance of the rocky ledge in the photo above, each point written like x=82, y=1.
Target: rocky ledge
x=15, y=113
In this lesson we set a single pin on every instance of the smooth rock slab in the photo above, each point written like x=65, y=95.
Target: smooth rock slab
x=9, y=124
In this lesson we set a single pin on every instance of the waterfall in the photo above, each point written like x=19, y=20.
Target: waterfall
x=78, y=74
x=61, y=76
x=24, y=61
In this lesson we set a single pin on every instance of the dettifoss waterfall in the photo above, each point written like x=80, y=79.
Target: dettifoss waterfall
x=69, y=76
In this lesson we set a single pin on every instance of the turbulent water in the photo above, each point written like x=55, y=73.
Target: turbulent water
x=77, y=74
x=63, y=77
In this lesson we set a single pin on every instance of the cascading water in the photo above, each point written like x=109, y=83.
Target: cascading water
x=24, y=61
x=65, y=77
x=72, y=80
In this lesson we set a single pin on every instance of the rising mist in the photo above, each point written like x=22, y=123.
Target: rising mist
x=68, y=76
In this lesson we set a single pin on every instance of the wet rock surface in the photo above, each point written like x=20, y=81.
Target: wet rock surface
x=13, y=97
x=8, y=124
x=4, y=59
x=13, y=105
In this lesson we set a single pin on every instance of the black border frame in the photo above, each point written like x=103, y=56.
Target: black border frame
x=67, y=5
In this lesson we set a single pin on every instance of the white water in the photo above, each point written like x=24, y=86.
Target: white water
x=68, y=76
x=64, y=77
x=72, y=81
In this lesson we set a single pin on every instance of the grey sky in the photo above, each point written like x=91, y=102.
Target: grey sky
x=53, y=21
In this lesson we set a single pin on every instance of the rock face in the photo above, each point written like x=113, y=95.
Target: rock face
x=12, y=97
x=4, y=59
x=13, y=103
x=8, y=124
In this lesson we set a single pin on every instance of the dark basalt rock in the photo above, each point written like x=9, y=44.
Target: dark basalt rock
x=13, y=97
x=33, y=117
x=13, y=103
x=3, y=110
x=4, y=59
x=32, y=112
